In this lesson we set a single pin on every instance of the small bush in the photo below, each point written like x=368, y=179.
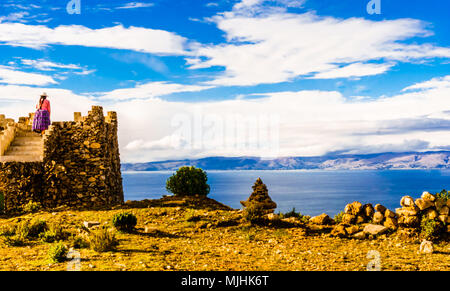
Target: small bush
x=431, y=229
x=78, y=242
x=15, y=241
x=338, y=217
x=298, y=215
x=58, y=253
x=31, y=207
x=444, y=195
x=54, y=233
x=188, y=181
x=102, y=240
x=124, y=221
x=254, y=213
x=36, y=227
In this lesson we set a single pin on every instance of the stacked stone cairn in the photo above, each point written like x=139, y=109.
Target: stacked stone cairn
x=361, y=221
x=260, y=197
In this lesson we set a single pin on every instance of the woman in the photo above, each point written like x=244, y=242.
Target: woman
x=41, y=120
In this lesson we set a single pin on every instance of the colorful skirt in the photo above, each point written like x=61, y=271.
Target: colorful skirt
x=41, y=120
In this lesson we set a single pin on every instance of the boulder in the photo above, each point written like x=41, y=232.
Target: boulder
x=391, y=223
x=378, y=218
x=353, y=208
x=352, y=229
x=428, y=196
x=431, y=213
x=90, y=224
x=389, y=213
x=348, y=218
x=359, y=235
x=439, y=203
x=380, y=208
x=368, y=210
x=444, y=210
x=407, y=201
x=408, y=221
x=407, y=211
x=360, y=219
x=374, y=229
x=423, y=204
x=444, y=219
x=426, y=247
x=339, y=230
x=321, y=219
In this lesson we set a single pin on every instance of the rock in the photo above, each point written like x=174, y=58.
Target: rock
x=380, y=208
x=260, y=195
x=90, y=224
x=423, y=204
x=391, y=223
x=339, y=230
x=428, y=197
x=368, y=210
x=321, y=219
x=378, y=218
x=360, y=219
x=407, y=211
x=439, y=203
x=431, y=214
x=95, y=145
x=348, y=218
x=360, y=235
x=407, y=201
x=444, y=218
x=408, y=221
x=374, y=229
x=408, y=234
x=426, y=247
x=272, y=216
x=444, y=210
x=353, y=208
x=352, y=229
x=389, y=213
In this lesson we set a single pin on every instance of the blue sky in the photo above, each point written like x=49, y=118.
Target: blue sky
x=326, y=74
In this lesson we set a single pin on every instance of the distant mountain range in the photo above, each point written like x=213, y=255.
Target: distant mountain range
x=381, y=161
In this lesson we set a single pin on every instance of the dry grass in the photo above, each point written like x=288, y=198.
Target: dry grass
x=165, y=239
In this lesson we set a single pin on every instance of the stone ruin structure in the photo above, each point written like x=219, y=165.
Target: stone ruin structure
x=260, y=196
x=75, y=164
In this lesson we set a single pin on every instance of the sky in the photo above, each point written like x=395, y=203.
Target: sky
x=266, y=78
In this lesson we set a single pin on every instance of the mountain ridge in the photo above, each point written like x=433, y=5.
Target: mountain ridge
x=378, y=161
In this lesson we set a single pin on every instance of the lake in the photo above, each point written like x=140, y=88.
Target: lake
x=310, y=192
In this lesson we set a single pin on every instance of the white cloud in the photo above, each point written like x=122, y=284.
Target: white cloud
x=149, y=90
x=117, y=37
x=44, y=65
x=276, y=46
x=435, y=83
x=134, y=5
x=9, y=75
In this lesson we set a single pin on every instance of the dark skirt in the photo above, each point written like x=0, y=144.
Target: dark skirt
x=41, y=120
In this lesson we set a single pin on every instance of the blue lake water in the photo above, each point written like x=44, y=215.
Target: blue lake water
x=310, y=192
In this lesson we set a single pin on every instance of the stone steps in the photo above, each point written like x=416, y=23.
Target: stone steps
x=27, y=146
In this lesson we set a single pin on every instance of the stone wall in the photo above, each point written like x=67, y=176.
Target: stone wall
x=81, y=166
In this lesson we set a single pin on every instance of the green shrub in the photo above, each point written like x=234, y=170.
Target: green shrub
x=78, y=242
x=36, y=227
x=124, y=221
x=444, y=194
x=15, y=241
x=298, y=215
x=102, y=240
x=54, y=233
x=254, y=213
x=31, y=207
x=431, y=229
x=188, y=181
x=58, y=253
x=338, y=217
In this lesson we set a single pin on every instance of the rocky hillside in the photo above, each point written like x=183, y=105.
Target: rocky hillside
x=410, y=160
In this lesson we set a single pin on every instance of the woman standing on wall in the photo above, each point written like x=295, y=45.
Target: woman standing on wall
x=41, y=120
